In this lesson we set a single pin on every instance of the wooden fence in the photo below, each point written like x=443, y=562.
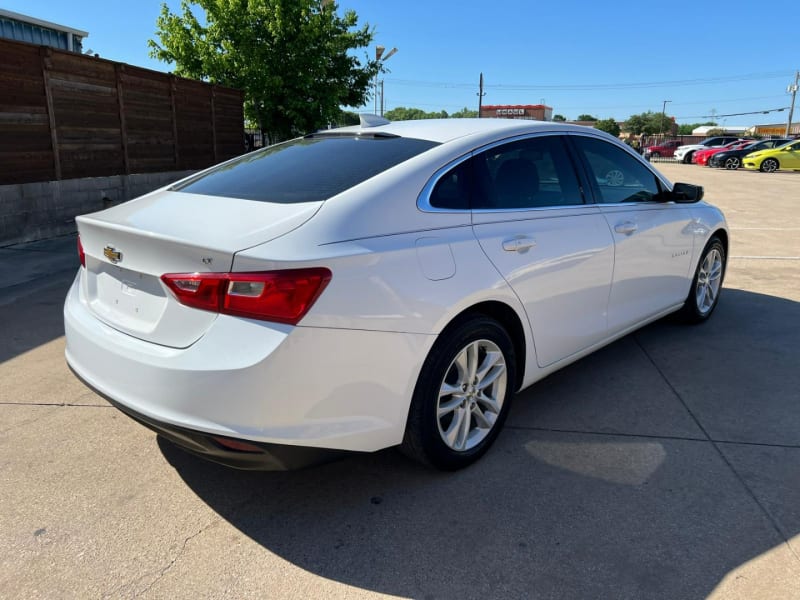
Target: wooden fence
x=64, y=115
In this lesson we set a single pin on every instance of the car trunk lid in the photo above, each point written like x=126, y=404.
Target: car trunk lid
x=129, y=247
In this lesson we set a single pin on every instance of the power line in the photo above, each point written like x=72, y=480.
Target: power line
x=755, y=112
x=599, y=86
x=696, y=102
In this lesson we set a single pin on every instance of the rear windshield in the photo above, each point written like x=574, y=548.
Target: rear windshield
x=306, y=170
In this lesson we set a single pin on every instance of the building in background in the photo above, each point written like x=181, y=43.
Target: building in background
x=14, y=26
x=775, y=130
x=531, y=112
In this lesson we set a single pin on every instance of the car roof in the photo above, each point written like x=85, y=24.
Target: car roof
x=445, y=130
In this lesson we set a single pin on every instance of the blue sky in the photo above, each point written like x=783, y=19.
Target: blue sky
x=608, y=59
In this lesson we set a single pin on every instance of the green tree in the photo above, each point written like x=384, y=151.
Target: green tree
x=586, y=117
x=649, y=123
x=609, y=126
x=347, y=117
x=559, y=118
x=293, y=59
x=401, y=113
x=464, y=113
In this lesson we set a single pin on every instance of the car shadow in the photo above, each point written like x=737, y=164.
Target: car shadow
x=664, y=498
x=34, y=279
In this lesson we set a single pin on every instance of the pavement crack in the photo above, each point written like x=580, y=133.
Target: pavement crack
x=785, y=536
x=173, y=561
x=649, y=436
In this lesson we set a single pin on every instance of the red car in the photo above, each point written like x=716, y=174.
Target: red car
x=666, y=149
x=701, y=157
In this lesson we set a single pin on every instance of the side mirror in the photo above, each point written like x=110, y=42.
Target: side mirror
x=686, y=193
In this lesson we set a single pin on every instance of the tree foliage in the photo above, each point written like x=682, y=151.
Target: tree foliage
x=585, y=117
x=401, y=113
x=561, y=118
x=649, y=123
x=609, y=126
x=464, y=113
x=346, y=117
x=292, y=58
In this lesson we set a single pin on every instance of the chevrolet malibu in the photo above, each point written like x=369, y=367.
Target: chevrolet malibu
x=380, y=285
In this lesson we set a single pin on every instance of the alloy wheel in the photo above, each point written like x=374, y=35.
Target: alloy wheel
x=471, y=395
x=709, y=279
x=770, y=165
x=732, y=163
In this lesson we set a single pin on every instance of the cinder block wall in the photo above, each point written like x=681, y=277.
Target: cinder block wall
x=35, y=211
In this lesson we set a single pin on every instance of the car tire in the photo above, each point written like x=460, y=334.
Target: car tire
x=769, y=165
x=655, y=154
x=732, y=163
x=688, y=158
x=462, y=396
x=706, y=284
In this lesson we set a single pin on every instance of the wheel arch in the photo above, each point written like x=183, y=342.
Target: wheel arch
x=723, y=237
x=511, y=322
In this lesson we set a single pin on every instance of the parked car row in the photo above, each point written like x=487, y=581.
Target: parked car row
x=733, y=153
x=685, y=153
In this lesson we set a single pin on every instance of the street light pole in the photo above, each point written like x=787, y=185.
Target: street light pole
x=378, y=55
x=389, y=55
x=664, y=114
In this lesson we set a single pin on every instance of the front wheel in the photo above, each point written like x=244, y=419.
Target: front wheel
x=688, y=158
x=655, y=154
x=707, y=283
x=462, y=396
x=769, y=165
x=732, y=163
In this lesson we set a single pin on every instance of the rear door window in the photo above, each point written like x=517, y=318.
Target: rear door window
x=535, y=172
x=306, y=170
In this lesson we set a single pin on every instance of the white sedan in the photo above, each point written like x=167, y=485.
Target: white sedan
x=380, y=285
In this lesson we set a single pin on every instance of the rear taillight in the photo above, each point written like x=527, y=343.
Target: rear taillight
x=282, y=296
x=81, y=253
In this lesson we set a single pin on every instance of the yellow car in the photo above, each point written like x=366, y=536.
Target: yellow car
x=769, y=161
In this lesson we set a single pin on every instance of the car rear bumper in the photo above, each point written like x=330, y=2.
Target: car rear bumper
x=267, y=383
x=258, y=456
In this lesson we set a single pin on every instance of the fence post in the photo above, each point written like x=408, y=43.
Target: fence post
x=123, y=128
x=46, y=53
x=214, y=122
x=172, y=87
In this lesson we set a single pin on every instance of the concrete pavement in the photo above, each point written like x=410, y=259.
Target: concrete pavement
x=667, y=465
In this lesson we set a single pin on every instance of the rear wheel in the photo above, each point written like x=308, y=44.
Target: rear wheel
x=769, y=165
x=462, y=396
x=707, y=283
x=655, y=154
x=732, y=163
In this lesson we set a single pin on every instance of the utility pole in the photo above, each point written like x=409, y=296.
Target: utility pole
x=481, y=94
x=382, y=103
x=663, y=115
x=793, y=90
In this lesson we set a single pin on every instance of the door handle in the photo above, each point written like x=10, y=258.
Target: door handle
x=519, y=244
x=626, y=227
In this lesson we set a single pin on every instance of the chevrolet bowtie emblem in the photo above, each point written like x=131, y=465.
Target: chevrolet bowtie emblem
x=112, y=254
